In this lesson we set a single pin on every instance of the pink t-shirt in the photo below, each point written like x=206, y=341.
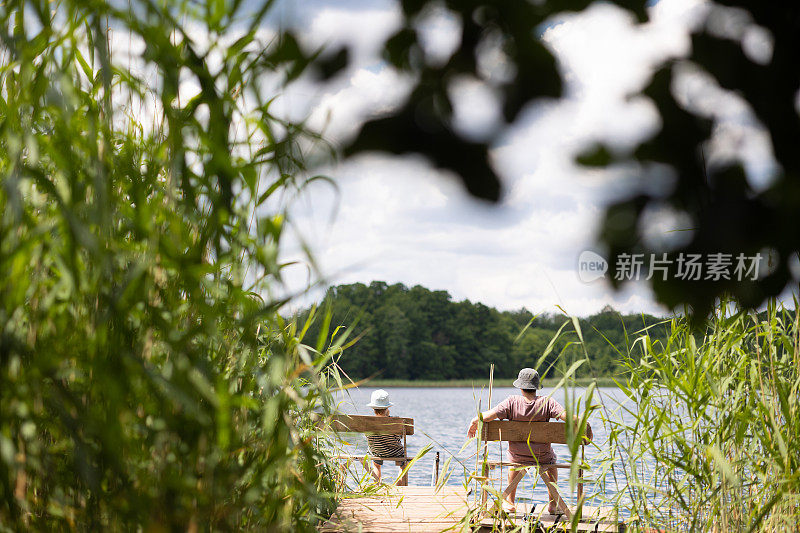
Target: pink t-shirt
x=541, y=409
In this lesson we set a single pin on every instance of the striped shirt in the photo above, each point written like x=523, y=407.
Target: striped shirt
x=385, y=445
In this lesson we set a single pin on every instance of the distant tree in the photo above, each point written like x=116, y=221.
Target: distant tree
x=422, y=334
x=530, y=346
x=395, y=330
x=433, y=361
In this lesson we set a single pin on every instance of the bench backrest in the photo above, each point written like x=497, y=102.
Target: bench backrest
x=383, y=425
x=513, y=431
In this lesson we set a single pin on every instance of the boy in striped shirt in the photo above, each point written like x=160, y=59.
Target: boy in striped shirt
x=384, y=445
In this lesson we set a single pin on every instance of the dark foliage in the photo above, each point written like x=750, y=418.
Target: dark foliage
x=416, y=333
x=727, y=215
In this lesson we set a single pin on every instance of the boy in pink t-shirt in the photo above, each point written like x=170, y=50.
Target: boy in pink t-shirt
x=529, y=407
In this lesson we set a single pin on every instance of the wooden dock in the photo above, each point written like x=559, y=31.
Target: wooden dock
x=535, y=518
x=423, y=510
x=401, y=509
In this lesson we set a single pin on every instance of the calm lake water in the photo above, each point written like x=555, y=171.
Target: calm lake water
x=441, y=417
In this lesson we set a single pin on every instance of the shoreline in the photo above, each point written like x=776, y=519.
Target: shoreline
x=477, y=383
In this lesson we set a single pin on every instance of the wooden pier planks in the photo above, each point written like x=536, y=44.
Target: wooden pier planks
x=421, y=509
x=401, y=509
x=600, y=519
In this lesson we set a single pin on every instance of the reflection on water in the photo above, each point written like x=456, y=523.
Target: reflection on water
x=441, y=417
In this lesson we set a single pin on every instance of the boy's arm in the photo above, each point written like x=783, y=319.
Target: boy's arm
x=487, y=417
x=588, y=425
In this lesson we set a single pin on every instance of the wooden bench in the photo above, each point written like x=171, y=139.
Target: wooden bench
x=533, y=432
x=381, y=425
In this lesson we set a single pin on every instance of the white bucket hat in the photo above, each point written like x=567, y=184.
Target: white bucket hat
x=379, y=400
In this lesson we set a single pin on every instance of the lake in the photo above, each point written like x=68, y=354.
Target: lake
x=441, y=417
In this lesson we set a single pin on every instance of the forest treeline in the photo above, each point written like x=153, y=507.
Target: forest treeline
x=417, y=333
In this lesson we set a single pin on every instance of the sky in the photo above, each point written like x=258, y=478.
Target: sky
x=396, y=219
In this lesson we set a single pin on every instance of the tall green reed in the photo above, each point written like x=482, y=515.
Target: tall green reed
x=147, y=379
x=702, y=431
x=716, y=423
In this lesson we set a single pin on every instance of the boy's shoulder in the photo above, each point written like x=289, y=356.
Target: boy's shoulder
x=516, y=399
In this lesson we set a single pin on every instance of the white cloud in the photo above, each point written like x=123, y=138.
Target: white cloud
x=397, y=220
x=361, y=25
x=367, y=92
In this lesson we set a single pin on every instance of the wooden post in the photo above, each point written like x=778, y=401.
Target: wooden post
x=478, y=454
x=404, y=480
x=435, y=476
x=491, y=383
x=501, y=461
x=485, y=467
